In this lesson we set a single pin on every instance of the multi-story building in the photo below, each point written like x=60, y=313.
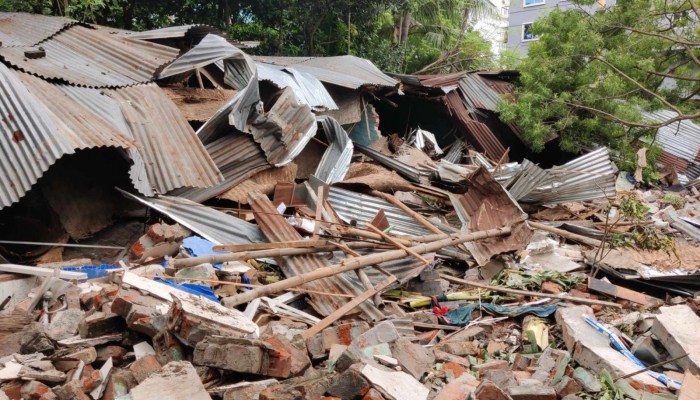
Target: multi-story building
x=523, y=13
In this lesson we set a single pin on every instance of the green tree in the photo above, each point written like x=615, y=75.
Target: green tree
x=589, y=76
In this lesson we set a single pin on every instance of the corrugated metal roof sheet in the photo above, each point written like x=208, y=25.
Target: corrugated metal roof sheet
x=487, y=205
x=363, y=208
x=477, y=93
x=30, y=143
x=213, y=225
x=308, y=89
x=172, y=32
x=346, y=71
x=405, y=170
x=588, y=177
x=285, y=130
x=22, y=29
x=336, y=160
x=238, y=157
x=276, y=229
x=82, y=130
x=211, y=49
x=173, y=155
x=456, y=152
x=94, y=58
x=477, y=132
x=107, y=108
x=681, y=139
x=529, y=177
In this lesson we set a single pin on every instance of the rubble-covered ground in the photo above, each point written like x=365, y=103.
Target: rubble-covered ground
x=289, y=249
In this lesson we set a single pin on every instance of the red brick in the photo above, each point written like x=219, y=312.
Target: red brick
x=90, y=381
x=373, y=394
x=551, y=287
x=495, y=364
x=35, y=390
x=489, y=391
x=453, y=370
x=144, y=367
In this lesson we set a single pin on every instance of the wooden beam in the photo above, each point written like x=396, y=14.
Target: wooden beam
x=347, y=307
x=294, y=244
x=623, y=293
x=398, y=244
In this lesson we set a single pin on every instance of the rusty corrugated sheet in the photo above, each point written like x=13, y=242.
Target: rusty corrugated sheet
x=487, y=205
x=30, y=143
x=83, y=130
x=93, y=58
x=285, y=130
x=102, y=106
x=21, y=29
x=174, y=156
x=477, y=132
x=276, y=229
x=238, y=158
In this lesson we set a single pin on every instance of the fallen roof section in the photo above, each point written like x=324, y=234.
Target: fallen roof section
x=308, y=89
x=335, y=162
x=213, y=225
x=22, y=29
x=90, y=57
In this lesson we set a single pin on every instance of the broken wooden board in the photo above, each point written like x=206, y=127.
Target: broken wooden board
x=620, y=292
x=38, y=271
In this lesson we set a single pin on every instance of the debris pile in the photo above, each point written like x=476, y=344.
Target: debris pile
x=305, y=228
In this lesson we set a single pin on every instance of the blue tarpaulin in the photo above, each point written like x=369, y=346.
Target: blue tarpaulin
x=198, y=247
x=93, y=271
x=192, y=288
x=463, y=314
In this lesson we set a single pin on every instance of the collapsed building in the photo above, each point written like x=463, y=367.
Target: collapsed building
x=348, y=233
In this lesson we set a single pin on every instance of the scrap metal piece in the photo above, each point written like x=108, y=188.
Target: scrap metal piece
x=336, y=160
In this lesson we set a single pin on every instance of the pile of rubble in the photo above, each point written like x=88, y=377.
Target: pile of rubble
x=288, y=249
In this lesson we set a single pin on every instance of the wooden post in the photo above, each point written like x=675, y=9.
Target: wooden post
x=347, y=307
x=360, y=262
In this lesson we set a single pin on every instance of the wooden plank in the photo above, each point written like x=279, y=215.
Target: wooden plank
x=620, y=292
x=347, y=307
x=690, y=389
x=38, y=271
x=398, y=244
x=319, y=209
x=267, y=246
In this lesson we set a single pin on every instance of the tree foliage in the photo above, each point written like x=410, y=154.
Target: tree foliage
x=398, y=35
x=589, y=76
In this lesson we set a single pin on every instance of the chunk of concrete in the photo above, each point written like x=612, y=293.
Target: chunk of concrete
x=350, y=384
x=395, y=385
x=177, y=380
x=248, y=390
x=587, y=380
x=459, y=389
x=677, y=329
x=375, y=341
x=551, y=366
x=592, y=350
x=65, y=324
x=320, y=344
x=413, y=358
x=567, y=386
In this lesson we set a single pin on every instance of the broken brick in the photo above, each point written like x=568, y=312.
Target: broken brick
x=144, y=367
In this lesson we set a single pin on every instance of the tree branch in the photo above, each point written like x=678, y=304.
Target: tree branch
x=636, y=83
x=679, y=117
x=658, y=35
x=682, y=78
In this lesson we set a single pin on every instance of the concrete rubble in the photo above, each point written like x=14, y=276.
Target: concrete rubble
x=289, y=249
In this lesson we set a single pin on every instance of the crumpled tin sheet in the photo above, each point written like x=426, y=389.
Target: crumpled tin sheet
x=213, y=225
x=335, y=162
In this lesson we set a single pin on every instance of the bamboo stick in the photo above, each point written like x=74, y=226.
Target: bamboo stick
x=398, y=203
x=565, y=234
x=501, y=289
x=248, y=255
x=397, y=244
x=359, y=262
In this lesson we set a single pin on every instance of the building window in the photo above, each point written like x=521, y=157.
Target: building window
x=527, y=32
x=528, y=3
